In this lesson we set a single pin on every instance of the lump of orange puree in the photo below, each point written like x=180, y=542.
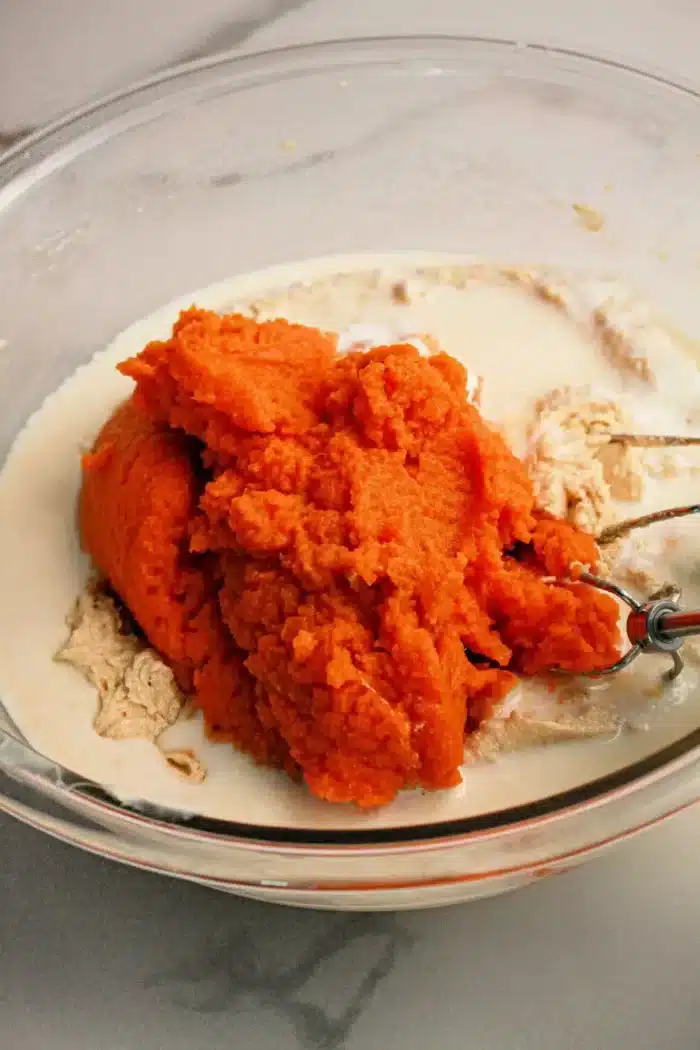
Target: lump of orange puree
x=359, y=525
x=221, y=377
x=139, y=493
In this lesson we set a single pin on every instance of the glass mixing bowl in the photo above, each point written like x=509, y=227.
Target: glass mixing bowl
x=237, y=163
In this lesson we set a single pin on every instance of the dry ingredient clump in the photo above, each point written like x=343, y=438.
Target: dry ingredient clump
x=399, y=293
x=137, y=691
x=590, y=218
x=143, y=704
x=98, y=646
x=516, y=731
x=576, y=470
x=185, y=763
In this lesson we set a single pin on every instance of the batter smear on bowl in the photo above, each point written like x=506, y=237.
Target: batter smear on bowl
x=340, y=559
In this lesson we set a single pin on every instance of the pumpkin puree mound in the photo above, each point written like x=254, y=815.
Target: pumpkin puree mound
x=339, y=557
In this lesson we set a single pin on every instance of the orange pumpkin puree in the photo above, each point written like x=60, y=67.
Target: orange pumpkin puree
x=339, y=557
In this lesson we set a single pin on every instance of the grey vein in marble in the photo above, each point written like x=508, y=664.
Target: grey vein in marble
x=12, y=137
x=248, y=970
x=232, y=34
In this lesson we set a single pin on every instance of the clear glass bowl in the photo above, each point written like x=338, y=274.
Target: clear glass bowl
x=234, y=164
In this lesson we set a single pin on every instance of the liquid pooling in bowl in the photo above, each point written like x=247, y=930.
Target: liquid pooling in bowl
x=517, y=344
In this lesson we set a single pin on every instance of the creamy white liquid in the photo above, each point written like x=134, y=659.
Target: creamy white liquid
x=521, y=346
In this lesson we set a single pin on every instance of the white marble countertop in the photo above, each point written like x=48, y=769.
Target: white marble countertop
x=99, y=957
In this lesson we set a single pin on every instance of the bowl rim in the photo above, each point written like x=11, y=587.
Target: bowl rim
x=364, y=51
x=342, y=46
